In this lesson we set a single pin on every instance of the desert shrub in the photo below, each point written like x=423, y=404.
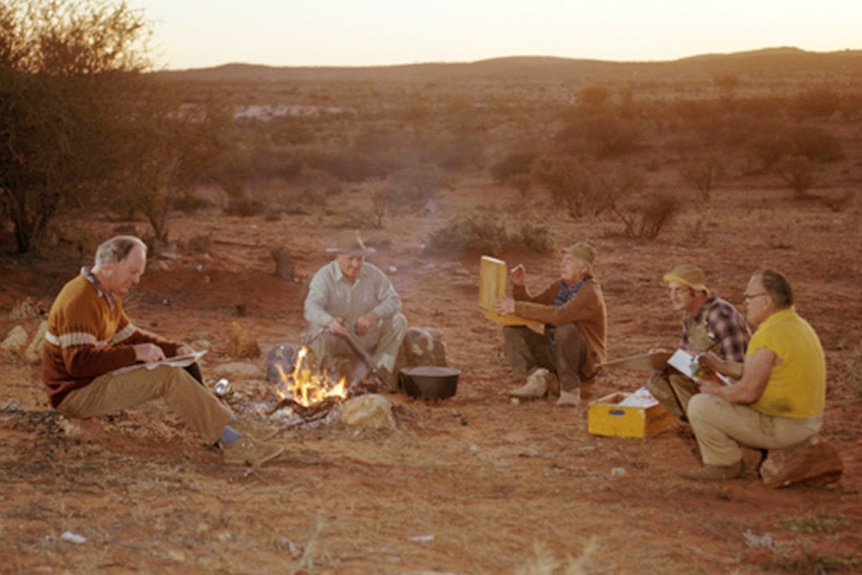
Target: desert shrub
x=513, y=164
x=572, y=183
x=704, y=175
x=818, y=102
x=316, y=184
x=798, y=172
x=647, y=217
x=838, y=203
x=594, y=98
x=760, y=107
x=379, y=194
x=769, y=147
x=515, y=170
x=600, y=135
x=815, y=143
x=190, y=203
x=245, y=207
x=487, y=234
x=533, y=238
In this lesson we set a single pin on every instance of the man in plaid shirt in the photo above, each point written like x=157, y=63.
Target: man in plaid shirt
x=709, y=323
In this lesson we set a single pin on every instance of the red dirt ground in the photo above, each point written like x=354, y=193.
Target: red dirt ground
x=469, y=485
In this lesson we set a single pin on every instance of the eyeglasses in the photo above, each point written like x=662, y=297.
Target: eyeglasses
x=749, y=297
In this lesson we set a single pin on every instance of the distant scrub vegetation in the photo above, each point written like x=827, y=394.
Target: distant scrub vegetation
x=585, y=138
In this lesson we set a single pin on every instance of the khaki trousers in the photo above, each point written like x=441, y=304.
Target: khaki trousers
x=382, y=342
x=673, y=391
x=193, y=403
x=721, y=427
x=528, y=350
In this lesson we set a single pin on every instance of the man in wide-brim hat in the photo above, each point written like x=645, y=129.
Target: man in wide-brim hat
x=708, y=323
x=351, y=299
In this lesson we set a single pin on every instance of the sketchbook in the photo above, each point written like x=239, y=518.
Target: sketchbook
x=492, y=287
x=686, y=363
x=176, y=361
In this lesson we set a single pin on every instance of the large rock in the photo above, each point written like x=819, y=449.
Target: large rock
x=370, y=411
x=15, y=341
x=279, y=361
x=813, y=462
x=33, y=353
x=240, y=342
x=422, y=346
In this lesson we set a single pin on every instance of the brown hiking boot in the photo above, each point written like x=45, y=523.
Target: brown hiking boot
x=715, y=472
x=261, y=430
x=248, y=450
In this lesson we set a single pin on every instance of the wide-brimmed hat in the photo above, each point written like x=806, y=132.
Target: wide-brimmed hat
x=583, y=251
x=349, y=243
x=689, y=275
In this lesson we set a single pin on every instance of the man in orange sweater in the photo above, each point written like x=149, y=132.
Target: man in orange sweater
x=90, y=340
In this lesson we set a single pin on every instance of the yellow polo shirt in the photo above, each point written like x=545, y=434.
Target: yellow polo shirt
x=797, y=384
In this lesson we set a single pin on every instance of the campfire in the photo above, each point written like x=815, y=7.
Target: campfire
x=309, y=394
x=307, y=388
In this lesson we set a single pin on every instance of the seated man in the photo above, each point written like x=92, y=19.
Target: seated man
x=780, y=394
x=572, y=344
x=351, y=303
x=708, y=323
x=90, y=337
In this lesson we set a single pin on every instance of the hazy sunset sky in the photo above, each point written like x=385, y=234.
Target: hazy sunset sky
x=203, y=33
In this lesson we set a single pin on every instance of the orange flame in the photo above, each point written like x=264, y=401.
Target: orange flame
x=307, y=388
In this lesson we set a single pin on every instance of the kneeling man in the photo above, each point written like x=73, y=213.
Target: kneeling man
x=780, y=394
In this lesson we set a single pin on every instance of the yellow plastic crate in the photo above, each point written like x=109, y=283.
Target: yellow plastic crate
x=606, y=416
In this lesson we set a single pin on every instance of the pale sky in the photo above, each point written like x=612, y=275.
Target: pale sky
x=204, y=33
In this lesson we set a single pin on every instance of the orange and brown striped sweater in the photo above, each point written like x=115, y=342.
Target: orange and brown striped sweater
x=88, y=337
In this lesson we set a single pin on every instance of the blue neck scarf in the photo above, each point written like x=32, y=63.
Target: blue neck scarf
x=566, y=293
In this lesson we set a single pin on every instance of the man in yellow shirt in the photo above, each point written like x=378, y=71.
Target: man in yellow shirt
x=780, y=392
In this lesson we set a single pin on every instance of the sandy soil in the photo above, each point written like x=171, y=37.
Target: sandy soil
x=470, y=485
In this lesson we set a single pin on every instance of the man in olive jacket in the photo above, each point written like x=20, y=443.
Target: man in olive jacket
x=572, y=344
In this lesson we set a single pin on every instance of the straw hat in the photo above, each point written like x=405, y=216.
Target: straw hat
x=689, y=275
x=349, y=243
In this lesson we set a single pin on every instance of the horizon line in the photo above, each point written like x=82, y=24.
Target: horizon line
x=774, y=49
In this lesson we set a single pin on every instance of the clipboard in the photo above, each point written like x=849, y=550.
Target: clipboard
x=492, y=287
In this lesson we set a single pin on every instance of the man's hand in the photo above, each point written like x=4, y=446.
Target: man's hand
x=184, y=350
x=148, y=352
x=365, y=322
x=336, y=327
x=709, y=360
x=505, y=306
x=518, y=274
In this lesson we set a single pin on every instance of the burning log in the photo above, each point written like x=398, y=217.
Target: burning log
x=307, y=412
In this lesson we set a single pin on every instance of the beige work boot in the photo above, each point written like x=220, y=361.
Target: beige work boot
x=569, y=399
x=536, y=386
x=715, y=472
x=261, y=431
x=248, y=450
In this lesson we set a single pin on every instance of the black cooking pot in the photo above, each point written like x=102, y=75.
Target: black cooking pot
x=429, y=381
